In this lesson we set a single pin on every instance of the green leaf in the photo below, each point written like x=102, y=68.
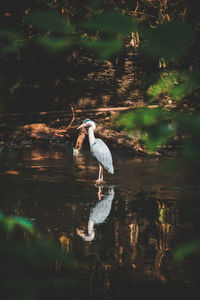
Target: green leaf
x=141, y=118
x=186, y=250
x=10, y=40
x=55, y=44
x=159, y=135
x=168, y=40
x=111, y=22
x=10, y=223
x=50, y=21
x=175, y=84
x=24, y=223
x=103, y=48
x=156, y=126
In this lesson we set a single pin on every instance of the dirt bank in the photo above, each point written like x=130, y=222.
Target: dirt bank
x=60, y=128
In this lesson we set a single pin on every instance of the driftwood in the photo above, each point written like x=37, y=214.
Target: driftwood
x=80, y=139
x=120, y=140
x=114, y=109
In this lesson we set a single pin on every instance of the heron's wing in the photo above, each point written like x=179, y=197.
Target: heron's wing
x=102, y=154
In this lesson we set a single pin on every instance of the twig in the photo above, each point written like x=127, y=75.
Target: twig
x=72, y=120
x=135, y=11
x=145, y=14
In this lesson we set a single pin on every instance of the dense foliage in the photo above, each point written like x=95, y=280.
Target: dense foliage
x=43, y=42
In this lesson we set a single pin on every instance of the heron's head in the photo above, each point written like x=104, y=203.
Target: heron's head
x=87, y=123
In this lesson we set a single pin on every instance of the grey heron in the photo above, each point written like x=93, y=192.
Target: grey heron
x=98, y=213
x=99, y=149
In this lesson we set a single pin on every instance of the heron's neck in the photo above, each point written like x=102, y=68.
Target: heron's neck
x=90, y=227
x=91, y=135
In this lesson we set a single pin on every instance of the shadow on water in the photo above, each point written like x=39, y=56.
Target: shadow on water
x=129, y=227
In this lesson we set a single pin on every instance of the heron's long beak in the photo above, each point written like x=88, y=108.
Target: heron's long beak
x=82, y=125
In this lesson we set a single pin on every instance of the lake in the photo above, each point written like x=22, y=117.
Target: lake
x=143, y=213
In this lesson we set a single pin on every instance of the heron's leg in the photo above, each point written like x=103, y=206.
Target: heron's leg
x=101, y=173
x=100, y=178
x=100, y=192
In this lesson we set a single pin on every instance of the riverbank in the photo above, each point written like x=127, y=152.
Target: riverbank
x=59, y=129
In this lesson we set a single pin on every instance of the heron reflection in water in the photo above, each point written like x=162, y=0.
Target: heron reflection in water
x=98, y=213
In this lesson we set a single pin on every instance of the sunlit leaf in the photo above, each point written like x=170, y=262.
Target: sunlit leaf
x=176, y=84
x=186, y=250
x=168, y=40
x=10, y=223
x=50, y=21
x=111, y=22
x=103, y=48
x=24, y=223
x=54, y=44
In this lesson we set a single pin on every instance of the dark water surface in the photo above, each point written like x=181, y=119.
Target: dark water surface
x=146, y=215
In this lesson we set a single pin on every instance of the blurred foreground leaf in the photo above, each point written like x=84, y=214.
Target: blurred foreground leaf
x=50, y=21
x=54, y=44
x=188, y=125
x=96, y=4
x=29, y=262
x=103, y=48
x=10, y=223
x=141, y=118
x=155, y=126
x=10, y=41
x=111, y=22
x=186, y=250
x=158, y=127
x=168, y=40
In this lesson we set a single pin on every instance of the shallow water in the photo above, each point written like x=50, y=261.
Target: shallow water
x=149, y=215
